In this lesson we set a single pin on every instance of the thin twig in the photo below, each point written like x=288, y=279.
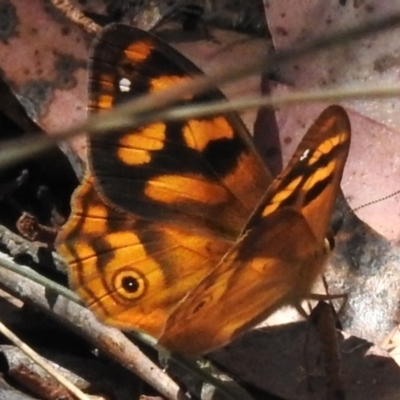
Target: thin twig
x=146, y=109
x=16, y=244
x=76, y=16
x=39, y=361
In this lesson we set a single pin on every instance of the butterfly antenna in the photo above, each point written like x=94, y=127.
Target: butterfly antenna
x=377, y=200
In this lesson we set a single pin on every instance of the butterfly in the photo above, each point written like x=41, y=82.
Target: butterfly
x=178, y=228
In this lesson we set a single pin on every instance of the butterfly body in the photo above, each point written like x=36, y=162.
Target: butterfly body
x=178, y=229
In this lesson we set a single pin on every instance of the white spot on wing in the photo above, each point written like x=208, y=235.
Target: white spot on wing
x=124, y=85
x=305, y=154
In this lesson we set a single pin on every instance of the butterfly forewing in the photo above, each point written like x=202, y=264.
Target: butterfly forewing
x=194, y=173
x=281, y=252
x=312, y=177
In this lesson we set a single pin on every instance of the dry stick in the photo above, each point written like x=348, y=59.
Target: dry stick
x=76, y=16
x=15, y=151
x=33, y=276
x=110, y=340
x=16, y=244
x=39, y=361
x=146, y=109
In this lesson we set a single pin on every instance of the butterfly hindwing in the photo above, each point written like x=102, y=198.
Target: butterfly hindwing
x=282, y=249
x=131, y=272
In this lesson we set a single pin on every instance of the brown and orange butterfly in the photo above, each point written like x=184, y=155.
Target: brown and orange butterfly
x=178, y=229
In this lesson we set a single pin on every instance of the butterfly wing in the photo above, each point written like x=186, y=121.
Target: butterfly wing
x=281, y=252
x=162, y=203
x=311, y=180
x=201, y=173
x=131, y=272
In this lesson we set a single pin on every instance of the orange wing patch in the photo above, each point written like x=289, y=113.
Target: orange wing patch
x=135, y=148
x=166, y=81
x=138, y=51
x=196, y=132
